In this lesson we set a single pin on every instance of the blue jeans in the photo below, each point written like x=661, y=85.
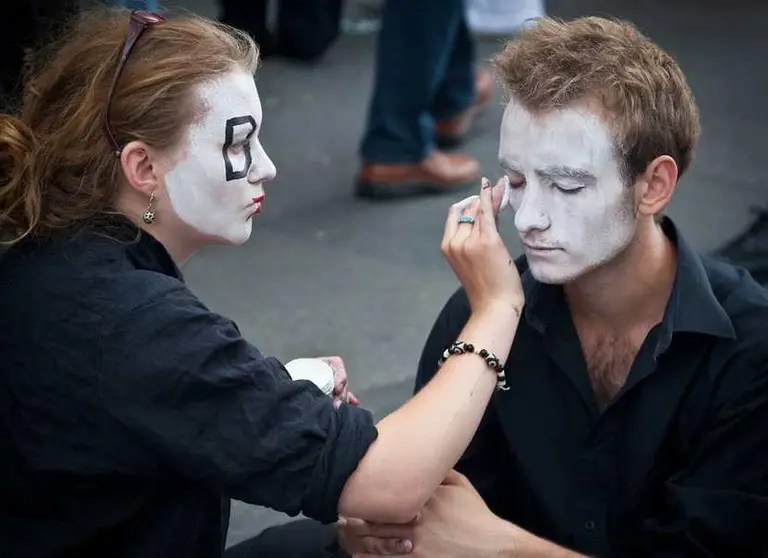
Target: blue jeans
x=424, y=72
x=149, y=5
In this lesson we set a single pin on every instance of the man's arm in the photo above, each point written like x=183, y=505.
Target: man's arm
x=455, y=523
x=522, y=544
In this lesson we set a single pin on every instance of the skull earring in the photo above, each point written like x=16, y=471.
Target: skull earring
x=149, y=214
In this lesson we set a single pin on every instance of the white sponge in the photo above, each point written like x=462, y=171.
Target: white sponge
x=315, y=370
x=466, y=202
x=505, y=197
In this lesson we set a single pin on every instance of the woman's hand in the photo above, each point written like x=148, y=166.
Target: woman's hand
x=341, y=393
x=477, y=254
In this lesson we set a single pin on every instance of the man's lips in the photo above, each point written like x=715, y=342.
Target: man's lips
x=540, y=248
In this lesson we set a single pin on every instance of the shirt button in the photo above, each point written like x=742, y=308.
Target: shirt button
x=589, y=525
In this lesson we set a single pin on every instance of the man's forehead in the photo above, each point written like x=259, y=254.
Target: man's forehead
x=576, y=119
x=571, y=135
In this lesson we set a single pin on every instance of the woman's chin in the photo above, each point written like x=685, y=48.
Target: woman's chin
x=241, y=234
x=232, y=236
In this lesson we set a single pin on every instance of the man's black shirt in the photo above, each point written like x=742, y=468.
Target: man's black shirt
x=130, y=414
x=676, y=465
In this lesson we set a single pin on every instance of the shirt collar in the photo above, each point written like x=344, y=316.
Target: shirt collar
x=692, y=305
x=142, y=249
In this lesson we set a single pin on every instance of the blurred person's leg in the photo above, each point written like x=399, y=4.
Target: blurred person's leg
x=17, y=31
x=750, y=248
x=149, y=5
x=297, y=539
x=250, y=16
x=463, y=92
x=302, y=30
x=416, y=51
x=23, y=26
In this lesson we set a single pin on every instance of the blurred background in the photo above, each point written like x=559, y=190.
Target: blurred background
x=326, y=273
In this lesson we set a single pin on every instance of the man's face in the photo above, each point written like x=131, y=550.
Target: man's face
x=217, y=186
x=572, y=208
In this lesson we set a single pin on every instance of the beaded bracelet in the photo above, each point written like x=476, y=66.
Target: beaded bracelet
x=493, y=362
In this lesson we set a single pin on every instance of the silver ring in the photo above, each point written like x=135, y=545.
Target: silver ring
x=466, y=219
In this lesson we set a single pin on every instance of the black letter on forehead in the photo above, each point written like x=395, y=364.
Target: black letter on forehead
x=229, y=134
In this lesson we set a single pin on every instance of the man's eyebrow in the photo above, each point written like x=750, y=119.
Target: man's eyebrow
x=507, y=165
x=567, y=173
x=554, y=172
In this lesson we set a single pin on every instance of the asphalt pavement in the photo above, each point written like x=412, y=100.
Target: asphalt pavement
x=325, y=273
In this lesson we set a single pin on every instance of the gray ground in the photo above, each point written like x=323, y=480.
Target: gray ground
x=327, y=274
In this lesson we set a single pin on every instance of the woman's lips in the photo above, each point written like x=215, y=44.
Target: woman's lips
x=257, y=204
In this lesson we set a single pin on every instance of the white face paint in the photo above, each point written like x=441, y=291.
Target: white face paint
x=572, y=208
x=217, y=187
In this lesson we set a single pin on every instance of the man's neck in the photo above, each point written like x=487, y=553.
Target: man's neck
x=633, y=289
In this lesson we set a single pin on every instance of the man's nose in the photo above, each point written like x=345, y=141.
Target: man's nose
x=530, y=215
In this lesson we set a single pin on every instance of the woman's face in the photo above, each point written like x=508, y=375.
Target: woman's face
x=217, y=185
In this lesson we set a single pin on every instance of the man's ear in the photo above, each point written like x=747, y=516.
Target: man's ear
x=140, y=168
x=656, y=185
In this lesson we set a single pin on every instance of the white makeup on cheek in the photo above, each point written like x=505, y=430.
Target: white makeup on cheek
x=588, y=227
x=210, y=188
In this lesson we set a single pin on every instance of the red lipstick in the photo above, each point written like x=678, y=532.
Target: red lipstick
x=257, y=201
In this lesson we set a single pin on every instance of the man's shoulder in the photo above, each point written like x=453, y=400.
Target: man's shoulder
x=745, y=302
x=738, y=293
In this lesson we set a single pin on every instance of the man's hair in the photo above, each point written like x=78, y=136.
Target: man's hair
x=57, y=168
x=640, y=90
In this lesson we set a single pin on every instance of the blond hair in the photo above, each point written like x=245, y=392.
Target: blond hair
x=638, y=86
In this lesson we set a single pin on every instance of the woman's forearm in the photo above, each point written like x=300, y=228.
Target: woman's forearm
x=420, y=442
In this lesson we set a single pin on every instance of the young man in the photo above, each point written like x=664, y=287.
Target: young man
x=636, y=419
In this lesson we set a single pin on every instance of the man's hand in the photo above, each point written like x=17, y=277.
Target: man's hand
x=455, y=523
x=341, y=393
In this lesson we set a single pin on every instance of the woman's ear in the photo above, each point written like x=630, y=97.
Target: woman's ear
x=141, y=168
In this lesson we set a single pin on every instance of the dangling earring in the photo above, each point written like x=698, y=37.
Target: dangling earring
x=149, y=214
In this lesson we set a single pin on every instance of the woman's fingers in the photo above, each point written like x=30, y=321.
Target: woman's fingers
x=486, y=214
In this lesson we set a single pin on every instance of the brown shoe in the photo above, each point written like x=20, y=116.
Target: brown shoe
x=439, y=172
x=452, y=131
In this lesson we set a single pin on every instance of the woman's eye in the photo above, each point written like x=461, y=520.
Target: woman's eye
x=239, y=148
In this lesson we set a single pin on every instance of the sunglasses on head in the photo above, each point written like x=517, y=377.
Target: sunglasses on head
x=138, y=23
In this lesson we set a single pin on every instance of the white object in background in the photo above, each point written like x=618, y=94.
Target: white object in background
x=315, y=370
x=502, y=17
x=362, y=17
